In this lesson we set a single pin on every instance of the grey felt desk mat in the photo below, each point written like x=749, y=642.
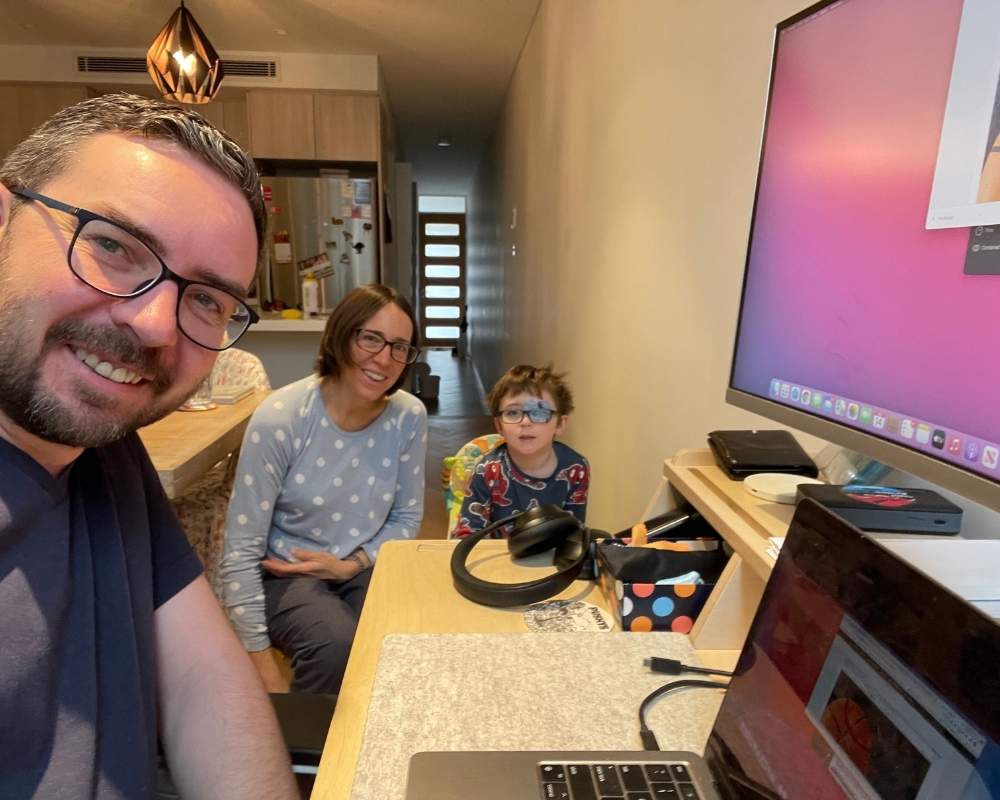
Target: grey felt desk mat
x=521, y=691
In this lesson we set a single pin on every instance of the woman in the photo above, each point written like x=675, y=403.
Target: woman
x=331, y=468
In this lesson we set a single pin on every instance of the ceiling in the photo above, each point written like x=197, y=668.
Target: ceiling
x=446, y=63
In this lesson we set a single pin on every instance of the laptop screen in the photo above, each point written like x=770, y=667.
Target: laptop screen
x=861, y=678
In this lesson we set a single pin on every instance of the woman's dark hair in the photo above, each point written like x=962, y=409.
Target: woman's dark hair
x=358, y=306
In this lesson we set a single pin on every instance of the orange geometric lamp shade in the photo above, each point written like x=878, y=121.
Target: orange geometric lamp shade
x=182, y=62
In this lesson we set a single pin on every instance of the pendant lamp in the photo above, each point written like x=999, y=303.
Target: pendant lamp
x=182, y=62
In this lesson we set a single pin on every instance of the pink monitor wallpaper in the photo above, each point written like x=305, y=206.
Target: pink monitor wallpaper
x=849, y=295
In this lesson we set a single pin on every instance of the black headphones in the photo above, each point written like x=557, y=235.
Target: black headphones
x=534, y=531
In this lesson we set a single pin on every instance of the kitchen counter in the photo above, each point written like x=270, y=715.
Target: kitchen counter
x=287, y=347
x=280, y=325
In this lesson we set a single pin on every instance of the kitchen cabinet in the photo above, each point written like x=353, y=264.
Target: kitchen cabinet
x=235, y=120
x=346, y=127
x=281, y=124
x=228, y=114
x=27, y=107
x=271, y=124
x=313, y=126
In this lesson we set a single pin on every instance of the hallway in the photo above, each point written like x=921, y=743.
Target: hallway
x=458, y=415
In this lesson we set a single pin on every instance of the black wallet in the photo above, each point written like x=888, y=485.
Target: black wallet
x=742, y=453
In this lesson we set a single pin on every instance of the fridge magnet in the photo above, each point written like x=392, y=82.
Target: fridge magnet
x=362, y=192
x=282, y=252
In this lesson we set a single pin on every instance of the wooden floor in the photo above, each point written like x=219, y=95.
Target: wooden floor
x=458, y=415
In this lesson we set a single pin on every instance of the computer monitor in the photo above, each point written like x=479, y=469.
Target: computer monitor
x=872, y=287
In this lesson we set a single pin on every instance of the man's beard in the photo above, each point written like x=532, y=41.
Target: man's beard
x=90, y=419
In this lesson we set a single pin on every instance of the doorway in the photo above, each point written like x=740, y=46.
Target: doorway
x=441, y=256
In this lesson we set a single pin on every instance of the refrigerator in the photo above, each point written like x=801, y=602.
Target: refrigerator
x=326, y=224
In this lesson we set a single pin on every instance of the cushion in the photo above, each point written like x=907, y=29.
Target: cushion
x=457, y=472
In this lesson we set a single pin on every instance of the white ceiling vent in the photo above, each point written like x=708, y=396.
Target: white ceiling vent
x=110, y=64
x=262, y=68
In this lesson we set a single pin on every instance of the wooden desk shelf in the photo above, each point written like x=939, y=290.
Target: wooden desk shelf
x=744, y=522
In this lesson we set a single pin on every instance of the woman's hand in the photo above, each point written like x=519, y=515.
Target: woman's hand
x=317, y=564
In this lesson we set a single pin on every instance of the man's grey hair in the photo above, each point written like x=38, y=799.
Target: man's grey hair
x=48, y=151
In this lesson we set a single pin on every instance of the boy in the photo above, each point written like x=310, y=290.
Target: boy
x=530, y=407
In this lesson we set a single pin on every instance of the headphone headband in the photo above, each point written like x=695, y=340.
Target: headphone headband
x=535, y=531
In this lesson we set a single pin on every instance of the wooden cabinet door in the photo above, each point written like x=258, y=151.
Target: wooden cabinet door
x=227, y=114
x=230, y=115
x=346, y=127
x=235, y=120
x=281, y=124
x=27, y=107
x=10, y=122
x=210, y=111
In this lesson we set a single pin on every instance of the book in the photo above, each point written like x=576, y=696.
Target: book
x=228, y=395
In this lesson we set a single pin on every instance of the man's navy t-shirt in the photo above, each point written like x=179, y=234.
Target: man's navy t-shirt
x=85, y=559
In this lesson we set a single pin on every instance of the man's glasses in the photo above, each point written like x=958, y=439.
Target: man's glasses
x=375, y=342
x=113, y=261
x=539, y=414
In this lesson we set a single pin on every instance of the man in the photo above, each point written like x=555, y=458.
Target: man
x=129, y=235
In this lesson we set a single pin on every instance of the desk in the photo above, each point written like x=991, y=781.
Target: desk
x=744, y=521
x=512, y=691
x=186, y=444
x=411, y=592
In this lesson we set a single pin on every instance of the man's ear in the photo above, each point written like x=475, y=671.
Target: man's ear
x=6, y=204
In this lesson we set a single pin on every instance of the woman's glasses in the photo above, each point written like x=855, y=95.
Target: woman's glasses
x=375, y=342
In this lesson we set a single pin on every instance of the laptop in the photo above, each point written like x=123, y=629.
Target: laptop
x=861, y=678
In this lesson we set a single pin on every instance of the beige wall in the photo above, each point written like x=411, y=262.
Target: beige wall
x=628, y=143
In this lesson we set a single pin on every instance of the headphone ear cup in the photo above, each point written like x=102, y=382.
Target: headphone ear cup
x=540, y=529
x=534, y=531
x=573, y=550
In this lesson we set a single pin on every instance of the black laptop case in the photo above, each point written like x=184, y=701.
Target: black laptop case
x=742, y=453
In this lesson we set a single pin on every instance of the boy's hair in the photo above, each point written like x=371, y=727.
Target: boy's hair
x=533, y=380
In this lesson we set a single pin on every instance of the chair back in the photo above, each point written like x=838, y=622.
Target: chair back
x=457, y=472
x=235, y=367
x=202, y=508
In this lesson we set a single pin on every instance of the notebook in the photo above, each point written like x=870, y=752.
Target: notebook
x=228, y=394
x=861, y=677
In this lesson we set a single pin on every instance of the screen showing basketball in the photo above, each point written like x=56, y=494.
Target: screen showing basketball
x=846, y=716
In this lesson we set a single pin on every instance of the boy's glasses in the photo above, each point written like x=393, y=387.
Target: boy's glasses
x=539, y=414
x=375, y=342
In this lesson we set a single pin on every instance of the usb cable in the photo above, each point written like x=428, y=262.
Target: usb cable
x=671, y=666
x=648, y=738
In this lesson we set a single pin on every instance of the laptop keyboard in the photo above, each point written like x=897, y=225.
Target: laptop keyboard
x=602, y=781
